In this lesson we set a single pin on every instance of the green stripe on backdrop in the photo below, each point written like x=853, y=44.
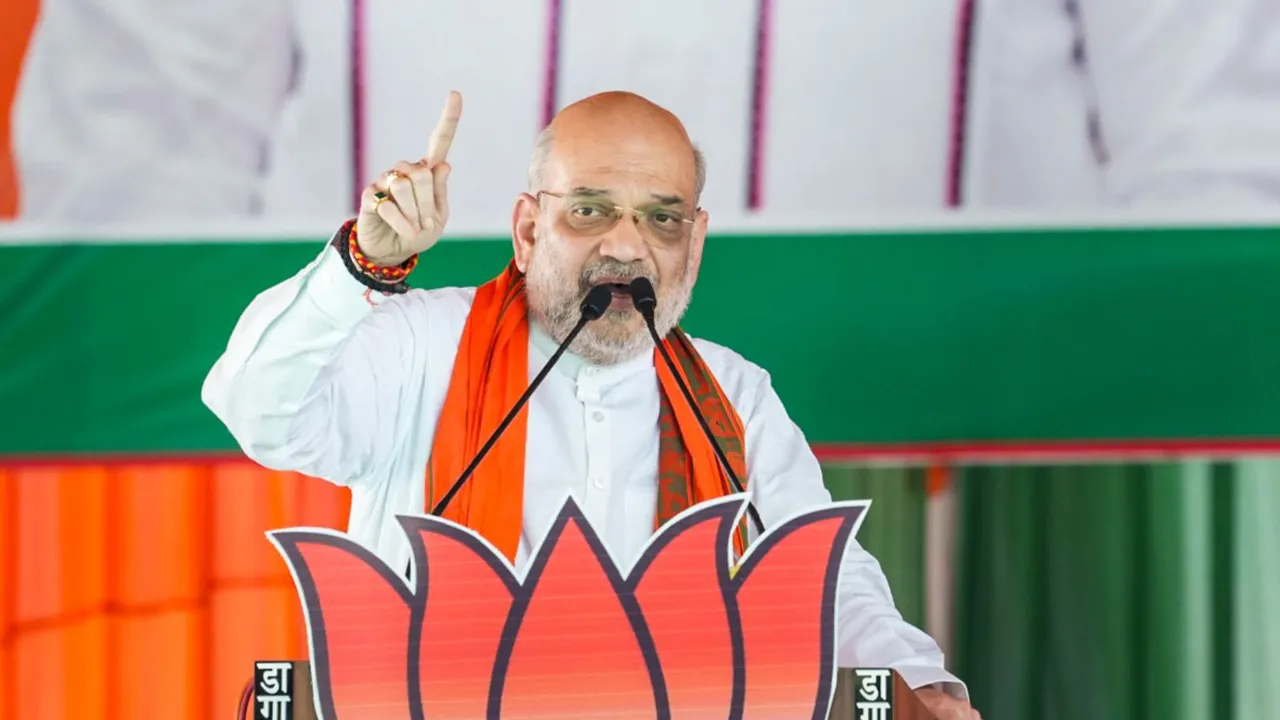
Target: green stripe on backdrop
x=1222, y=509
x=104, y=347
x=1257, y=585
x=1083, y=592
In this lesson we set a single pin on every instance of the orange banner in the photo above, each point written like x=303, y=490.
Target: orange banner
x=138, y=591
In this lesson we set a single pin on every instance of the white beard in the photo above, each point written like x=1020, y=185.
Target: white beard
x=555, y=297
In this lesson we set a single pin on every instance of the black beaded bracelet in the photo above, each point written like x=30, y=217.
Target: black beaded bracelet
x=341, y=246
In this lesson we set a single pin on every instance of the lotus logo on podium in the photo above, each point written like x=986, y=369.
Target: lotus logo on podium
x=678, y=635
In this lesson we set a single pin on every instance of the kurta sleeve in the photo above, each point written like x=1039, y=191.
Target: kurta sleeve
x=784, y=478
x=321, y=376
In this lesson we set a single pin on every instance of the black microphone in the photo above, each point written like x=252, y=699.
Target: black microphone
x=593, y=307
x=646, y=301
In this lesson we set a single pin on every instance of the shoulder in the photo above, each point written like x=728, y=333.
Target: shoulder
x=742, y=380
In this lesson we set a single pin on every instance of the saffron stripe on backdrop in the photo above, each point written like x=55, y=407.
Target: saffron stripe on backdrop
x=167, y=614
x=960, y=104
x=551, y=70
x=359, y=106
x=17, y=21
x=940, y=521
x=759, y=105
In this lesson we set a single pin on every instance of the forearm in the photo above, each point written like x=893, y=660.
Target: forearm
x=786, y=478
x=872, y=633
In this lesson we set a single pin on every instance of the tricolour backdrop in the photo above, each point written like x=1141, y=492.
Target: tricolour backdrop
x=1129, y=581
x=1065, y=423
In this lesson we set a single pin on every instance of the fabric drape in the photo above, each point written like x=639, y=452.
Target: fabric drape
x=1106, y=591
x=1138, y=591
x=139, y=591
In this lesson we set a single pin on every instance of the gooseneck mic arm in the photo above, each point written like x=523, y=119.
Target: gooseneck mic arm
x=646, y=301
x=594, y=306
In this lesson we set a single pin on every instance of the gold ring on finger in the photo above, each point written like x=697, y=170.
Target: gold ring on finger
x=379, y=198
x=393, y=174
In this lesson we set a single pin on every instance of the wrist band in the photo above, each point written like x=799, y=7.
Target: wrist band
x=386, y=280
x=389, y=273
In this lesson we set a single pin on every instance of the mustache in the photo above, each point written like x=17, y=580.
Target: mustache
x=613, y=270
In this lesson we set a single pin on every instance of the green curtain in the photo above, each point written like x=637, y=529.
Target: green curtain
x=1125, y=591
x=1257, y=584
x=893, y=530
x=1128, y=591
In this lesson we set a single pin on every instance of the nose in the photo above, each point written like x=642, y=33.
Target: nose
x=624, y=242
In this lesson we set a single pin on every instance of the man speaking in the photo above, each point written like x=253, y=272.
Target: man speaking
x=342, y=373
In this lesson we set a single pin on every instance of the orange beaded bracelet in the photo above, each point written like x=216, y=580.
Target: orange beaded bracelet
x=374, y=277
x=382, y=273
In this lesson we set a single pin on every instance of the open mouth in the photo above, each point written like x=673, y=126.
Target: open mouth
x=621, y=292
x=619, y=287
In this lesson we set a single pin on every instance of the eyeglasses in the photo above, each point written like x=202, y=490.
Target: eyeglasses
x=593, y=214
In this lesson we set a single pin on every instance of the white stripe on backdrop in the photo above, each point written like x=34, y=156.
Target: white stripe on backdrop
x=940, y=554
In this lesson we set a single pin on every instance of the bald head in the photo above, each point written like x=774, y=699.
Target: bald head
x=618, y=128
x=600, y=157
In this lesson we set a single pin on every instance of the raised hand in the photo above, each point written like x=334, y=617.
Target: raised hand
x=404, y=212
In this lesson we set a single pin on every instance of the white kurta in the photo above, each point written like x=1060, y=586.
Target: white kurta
x=318, y=381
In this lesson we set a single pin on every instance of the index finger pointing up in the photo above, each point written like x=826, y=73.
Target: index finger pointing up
x=442, y=137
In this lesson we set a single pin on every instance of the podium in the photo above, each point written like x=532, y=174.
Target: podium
x=850, y=701
x=492, y=633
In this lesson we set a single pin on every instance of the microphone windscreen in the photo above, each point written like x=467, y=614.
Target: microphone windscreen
x=643, y=296
x=597, y=302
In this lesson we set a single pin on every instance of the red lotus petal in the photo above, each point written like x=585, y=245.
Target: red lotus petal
x=683, y=583
x=787, y=605
x=576, y=653
x=468, y=593
x=357, y=614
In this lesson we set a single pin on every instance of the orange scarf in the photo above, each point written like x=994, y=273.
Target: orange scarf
x=490, y=373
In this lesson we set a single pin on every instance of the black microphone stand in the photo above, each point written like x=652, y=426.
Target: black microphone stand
x=646, y=300
x=593, y=307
